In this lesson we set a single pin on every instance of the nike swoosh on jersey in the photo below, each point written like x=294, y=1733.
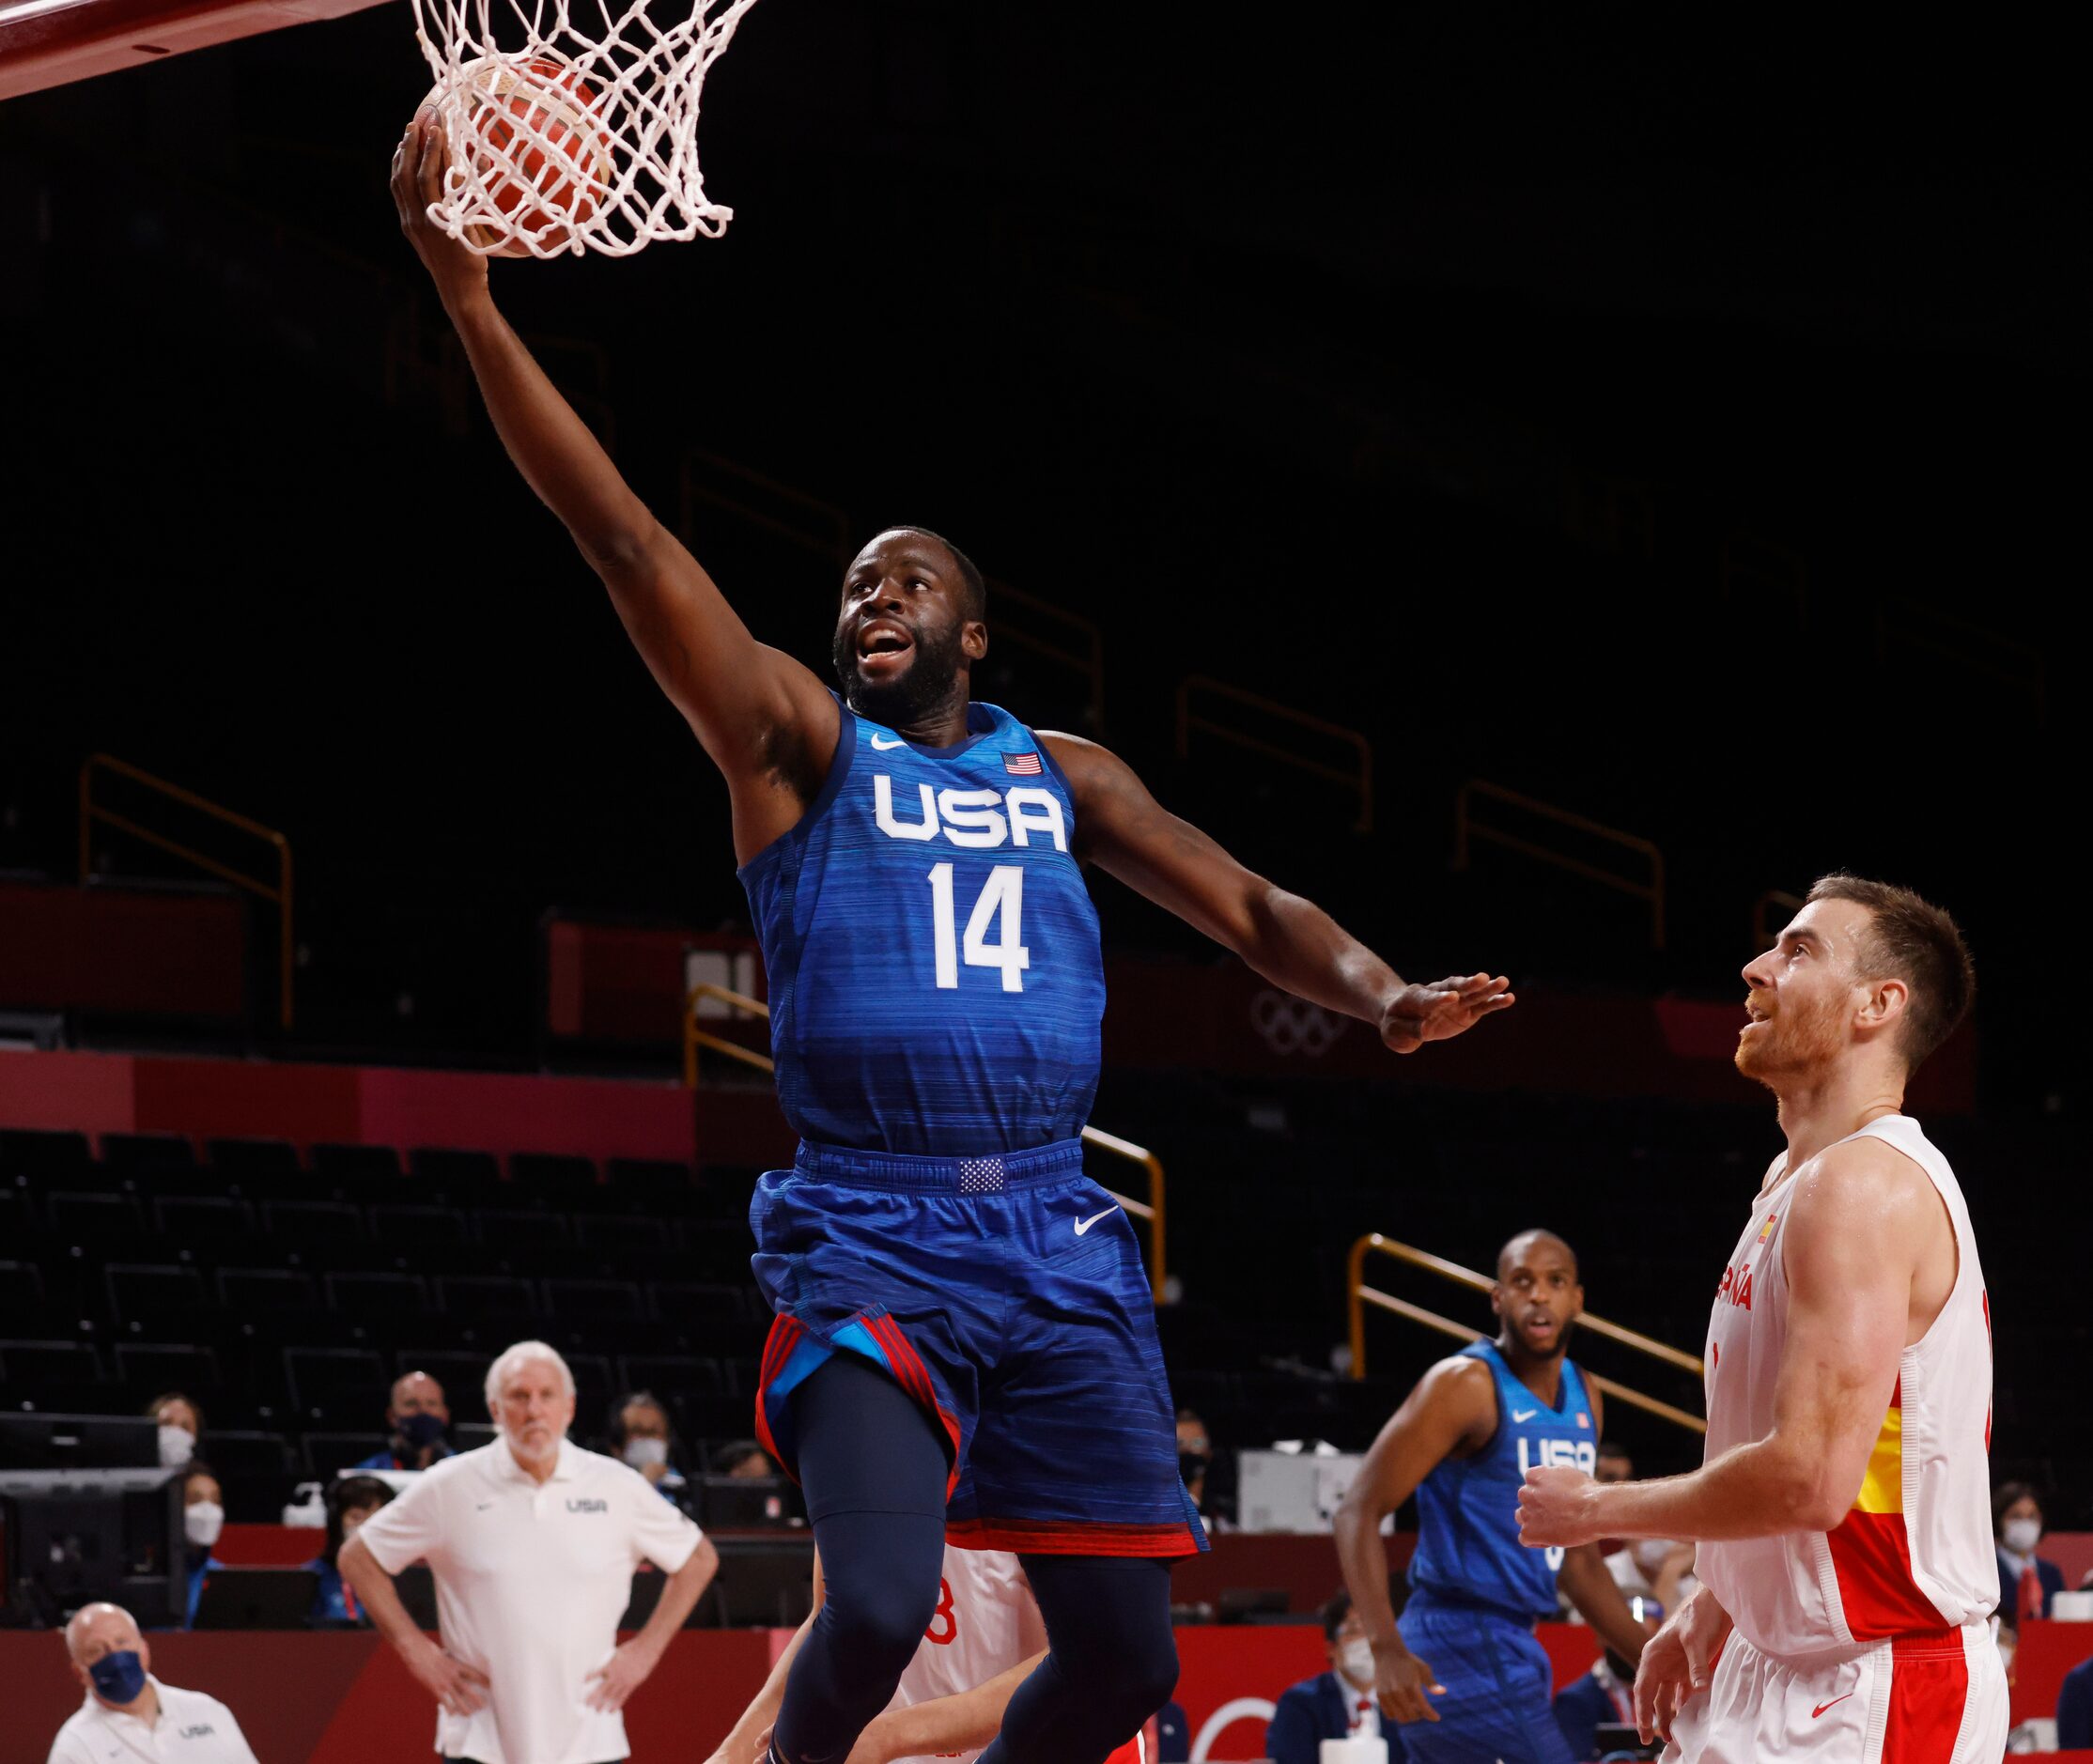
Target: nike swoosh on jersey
x=1084, y=1225
x=1833, y=1704
x=1523, y=1415
x=887, y=746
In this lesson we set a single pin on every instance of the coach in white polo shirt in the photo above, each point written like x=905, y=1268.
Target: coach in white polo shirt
x=129, y=1713
x=533, y=1543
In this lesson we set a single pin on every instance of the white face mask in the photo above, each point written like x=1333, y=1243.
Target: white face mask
x=640, y=1453
x=2023, y=1535
x=1650, y=1553
x=178, y=1445
x=1355, y=1661
x=202, y=1523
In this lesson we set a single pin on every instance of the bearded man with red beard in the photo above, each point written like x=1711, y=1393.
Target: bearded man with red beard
x=1846, y=1563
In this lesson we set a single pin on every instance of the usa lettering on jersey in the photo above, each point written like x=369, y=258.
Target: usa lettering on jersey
x=976, y=819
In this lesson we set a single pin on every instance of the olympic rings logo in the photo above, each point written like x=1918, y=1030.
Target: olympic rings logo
x=1288, y=1025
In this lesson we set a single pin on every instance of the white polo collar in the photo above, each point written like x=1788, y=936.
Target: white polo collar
x=565, y=1468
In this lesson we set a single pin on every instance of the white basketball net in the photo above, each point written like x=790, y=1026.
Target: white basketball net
x=572, y=134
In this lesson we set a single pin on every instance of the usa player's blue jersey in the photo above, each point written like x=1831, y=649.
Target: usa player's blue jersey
x=1468, y=1550
x=936, y=982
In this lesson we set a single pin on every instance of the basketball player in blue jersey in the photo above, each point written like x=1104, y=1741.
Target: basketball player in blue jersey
x=964, y=1336
x=1462, y=1671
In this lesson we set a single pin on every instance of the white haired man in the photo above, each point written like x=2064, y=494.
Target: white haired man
x=533, y=1543
x=129, y=1712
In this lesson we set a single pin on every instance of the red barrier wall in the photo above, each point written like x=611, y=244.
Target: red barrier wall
x=345, y=1699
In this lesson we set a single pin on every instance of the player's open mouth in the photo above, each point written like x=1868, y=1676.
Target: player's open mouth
x=1542, y=1325
x=881, y=643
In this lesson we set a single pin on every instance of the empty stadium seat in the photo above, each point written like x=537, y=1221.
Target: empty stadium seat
x=326, y=1454
x=548, y=1177
x=93, y=1216
x=356, y=1166
x=148, y=1293
x=594, y=1301
x=337, y=1384
x=130, y=1153
x=417, y=1227
x=312, y=1224
x=23, y=1302
x=271, y=1162
x=32, y=1152
x=148, y=1369
x=402, y=1298
x=486, y=1298
x=245, y=1452
x=183, y=1219
x=516, y=1228
x=621, y=1231
x=462, y=1177
x=27, y=1364
x=266, y=1292
x=685, y=1305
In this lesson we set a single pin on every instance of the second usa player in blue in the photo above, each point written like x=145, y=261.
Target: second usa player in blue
x=1462, y=1672
x=963, y=1329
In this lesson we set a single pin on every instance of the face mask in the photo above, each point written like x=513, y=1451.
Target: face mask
x=2023, y=1535
x=1357, y=1662
x=640, y=1453
x=202, y=1523
x=119, y=1677
x=422, y=1431
x=1650, y=1553
x=178, y=1445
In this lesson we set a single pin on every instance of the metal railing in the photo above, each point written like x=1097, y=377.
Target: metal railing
x=1466, y=830
x=1149, y=1210
x=279, y=895
x=1358, y=1295
x=1359, y=780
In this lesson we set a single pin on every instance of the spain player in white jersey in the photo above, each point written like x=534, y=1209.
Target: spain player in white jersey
x=985, y=1638
x=1846, y=1561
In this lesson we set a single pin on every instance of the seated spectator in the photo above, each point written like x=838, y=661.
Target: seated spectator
x=1614, y=1465
x=350, y=1502
x=1195, y=1458
x=181, y=1424
x=2074, y=1709
x=1333, y=1704
x=419, y=1419
x=128, y=1712
x=1605, y=1693
x=641, y=1435
x=742, y=1458
x=2026, y=1583
x=203, y=1517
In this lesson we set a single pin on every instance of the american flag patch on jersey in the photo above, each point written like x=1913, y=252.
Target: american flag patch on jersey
x=1022, y=765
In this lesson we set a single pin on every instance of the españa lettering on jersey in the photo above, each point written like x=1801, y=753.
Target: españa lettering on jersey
x=936, y=982
x=1468, y=1550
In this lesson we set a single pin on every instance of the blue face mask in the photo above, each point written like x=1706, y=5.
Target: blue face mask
x=119, y=1677
x=422, y=1431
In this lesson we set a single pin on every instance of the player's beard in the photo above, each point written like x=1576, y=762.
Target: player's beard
x=922, y=686
x=1802, y=1036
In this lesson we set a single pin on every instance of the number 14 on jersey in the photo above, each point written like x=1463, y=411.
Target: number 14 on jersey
x=1001, y=905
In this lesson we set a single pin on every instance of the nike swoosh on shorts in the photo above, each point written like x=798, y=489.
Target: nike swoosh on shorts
x=1084, y=1225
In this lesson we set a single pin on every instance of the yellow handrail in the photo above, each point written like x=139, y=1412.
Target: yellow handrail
x=1150, y=1210
x=1358, y=1295
x=1086, y=658
x=280, y=896
x=1466, y=828
x=1360, y=780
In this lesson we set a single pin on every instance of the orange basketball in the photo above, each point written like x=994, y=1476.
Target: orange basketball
x=535, y=143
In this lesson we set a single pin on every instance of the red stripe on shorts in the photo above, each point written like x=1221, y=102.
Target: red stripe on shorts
x=914, y=1377
x=1929, y=1687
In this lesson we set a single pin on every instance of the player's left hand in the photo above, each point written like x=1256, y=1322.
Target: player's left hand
x=1558, y=1506
x=618, y=1677
x=1418, y=1014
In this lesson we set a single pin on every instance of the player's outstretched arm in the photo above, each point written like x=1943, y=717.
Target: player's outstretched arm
x=765, y=719
x=1293, y=943
x=1850, y=1242
x=1453, y=1408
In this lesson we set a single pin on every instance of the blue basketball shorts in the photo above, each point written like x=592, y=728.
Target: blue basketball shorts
x=1004, y=1294
x=1499, y=1701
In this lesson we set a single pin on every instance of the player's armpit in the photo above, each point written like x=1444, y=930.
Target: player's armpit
x=1850, y=1245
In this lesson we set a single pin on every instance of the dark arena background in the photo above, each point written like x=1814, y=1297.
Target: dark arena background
x=1544, y=485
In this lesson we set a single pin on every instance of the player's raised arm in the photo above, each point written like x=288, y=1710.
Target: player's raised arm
x=1293, y=942
x=1453, y=1407
x=765, y=719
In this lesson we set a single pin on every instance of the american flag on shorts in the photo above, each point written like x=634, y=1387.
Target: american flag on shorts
x=1022, y=765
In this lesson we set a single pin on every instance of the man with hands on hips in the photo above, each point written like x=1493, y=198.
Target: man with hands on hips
x=533, y=1543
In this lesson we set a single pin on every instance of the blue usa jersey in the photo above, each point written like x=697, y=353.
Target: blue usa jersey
x=1468, y=1550
x=935, y=983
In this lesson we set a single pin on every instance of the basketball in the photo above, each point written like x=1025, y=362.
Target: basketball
x=532, y=139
